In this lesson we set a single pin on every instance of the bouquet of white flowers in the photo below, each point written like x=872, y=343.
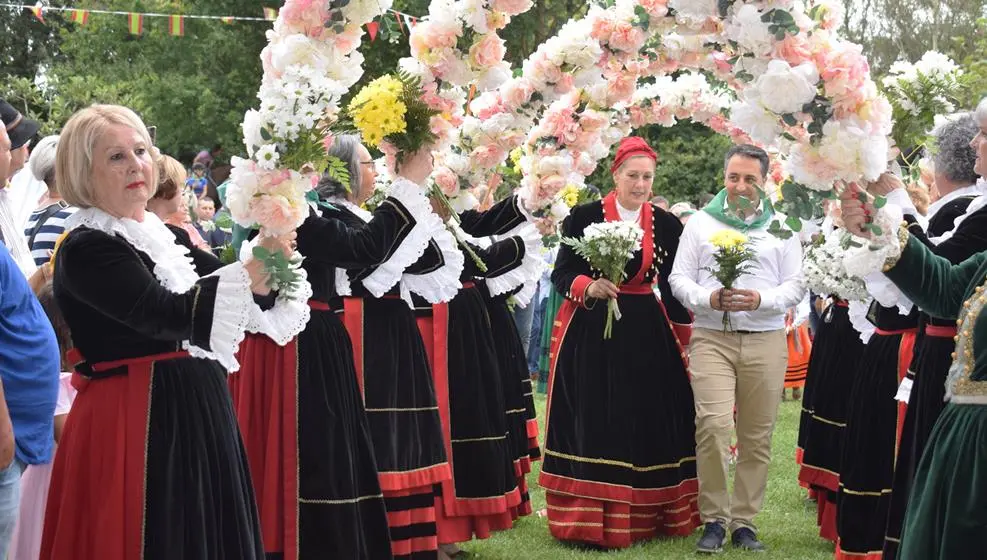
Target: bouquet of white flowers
x=825, y=273
x=608, y=247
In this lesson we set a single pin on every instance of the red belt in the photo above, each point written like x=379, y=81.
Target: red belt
x=940, y=332
x=469, y=284
x=883, y=332
x=637, y=290
x=75, y=358
x=841, y=304
x=319, y=305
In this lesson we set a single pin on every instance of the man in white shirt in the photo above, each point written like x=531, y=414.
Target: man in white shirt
x=743, y=367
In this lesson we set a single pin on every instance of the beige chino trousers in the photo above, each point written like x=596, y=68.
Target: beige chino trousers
x=747, y=371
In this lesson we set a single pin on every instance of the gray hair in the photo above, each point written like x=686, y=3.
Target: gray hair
x=42, y=161
x=751, y=152
x=343, y=147
x=955, y=158
x=980, y=113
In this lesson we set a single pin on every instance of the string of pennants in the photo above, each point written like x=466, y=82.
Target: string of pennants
x=176, y=22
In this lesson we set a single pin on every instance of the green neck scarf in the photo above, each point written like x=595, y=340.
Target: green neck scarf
x=719, y=210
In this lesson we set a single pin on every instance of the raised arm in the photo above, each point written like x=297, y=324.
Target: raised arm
x=503, y=217
x=935, y=284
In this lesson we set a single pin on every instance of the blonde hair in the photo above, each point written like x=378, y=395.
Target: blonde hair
x=74, y=157
x=171, y=177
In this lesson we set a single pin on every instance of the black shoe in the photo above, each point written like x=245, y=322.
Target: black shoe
x=745, y=538
x=713, y=539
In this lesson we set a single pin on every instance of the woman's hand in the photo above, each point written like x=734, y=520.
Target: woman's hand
x=602, y=289
x=545, y=226
x=856, y=214
x=885, y=185
x=284, y=243
x=258, y=276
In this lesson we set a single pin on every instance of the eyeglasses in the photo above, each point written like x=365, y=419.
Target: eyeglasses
x=366, y=163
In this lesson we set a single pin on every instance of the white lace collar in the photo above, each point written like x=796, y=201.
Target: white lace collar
x=360, y=212
x=172, y=263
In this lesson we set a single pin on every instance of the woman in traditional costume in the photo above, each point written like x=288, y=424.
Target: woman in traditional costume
x=947, y=509
x=874, y=417
x=620, y=448
x=799, y=350
x=485, y=493
x=956, y=235
x=301, y=407
x=150, y=464
x=392, y=366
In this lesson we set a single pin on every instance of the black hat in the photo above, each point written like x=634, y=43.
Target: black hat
x=20, y=129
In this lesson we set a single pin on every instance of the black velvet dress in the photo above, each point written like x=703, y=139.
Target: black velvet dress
x=301, y=407
x=399, y=397
x=620, y=455
x=870, y=438
x=150, y=464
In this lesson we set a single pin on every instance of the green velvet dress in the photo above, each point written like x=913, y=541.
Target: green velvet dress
x=947, y=509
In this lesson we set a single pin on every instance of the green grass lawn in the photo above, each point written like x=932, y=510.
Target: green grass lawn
x=787, y=523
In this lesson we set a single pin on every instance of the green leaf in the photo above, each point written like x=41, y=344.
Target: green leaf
x=789, y=119
x=794, y=224
x=879, y=202
x=261, y=253
x=265, y=134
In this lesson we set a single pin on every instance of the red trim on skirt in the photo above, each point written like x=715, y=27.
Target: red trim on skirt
x=841, y=555
x=826, y=516
x=407, y=518
x=618, y=525
x=906, y=351
x=96, y=500
x=617, y=493
x=265, y=399
x=816, y=476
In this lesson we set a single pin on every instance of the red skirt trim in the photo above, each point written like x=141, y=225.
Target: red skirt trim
x=407, y=518
x=826, y=517
x=843, y=555
x=816, y=476
x=98, y=481
x=265, y=399
x=906, y=351
x=618, y=493
x=618, y=525
x=403, y=480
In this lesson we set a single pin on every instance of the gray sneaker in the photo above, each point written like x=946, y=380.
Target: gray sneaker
x=745, y=539
x=713, y=539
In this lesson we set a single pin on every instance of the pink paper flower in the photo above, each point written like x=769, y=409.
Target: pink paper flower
x=516, y=93
x=487, y=157
x=793, y=49
x=488, y=51
x=305, y=16
x=655, y=8
x=621, y=89
x=276, y=214
x=602, y=28
x=549, y=186
x=446, y=180
x=627, y=37
x=511, y=7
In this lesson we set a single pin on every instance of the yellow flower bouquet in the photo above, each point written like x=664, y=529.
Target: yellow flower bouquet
x=733, y=257
x=391, y=109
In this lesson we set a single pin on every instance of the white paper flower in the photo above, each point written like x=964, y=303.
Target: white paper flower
x=752, y=118
x=784, y=89
x=693, y=12
x=747, y=29
x=252, y=124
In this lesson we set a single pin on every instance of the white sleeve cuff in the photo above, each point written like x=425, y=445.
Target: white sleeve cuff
x=231, y=315
x=858, y=318
x=289, y=315
x=527, y=274
x=388, y=273
x=441, y=284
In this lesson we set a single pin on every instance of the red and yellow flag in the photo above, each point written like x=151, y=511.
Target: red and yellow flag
x=38, y=13
x=270, y=14
x=135, y=22
x=227, y=20
x=176, y=26
x=80, y=16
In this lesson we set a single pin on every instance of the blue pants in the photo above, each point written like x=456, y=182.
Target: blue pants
x=10, y=502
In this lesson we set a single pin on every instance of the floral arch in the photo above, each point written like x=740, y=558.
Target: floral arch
x=800, y=88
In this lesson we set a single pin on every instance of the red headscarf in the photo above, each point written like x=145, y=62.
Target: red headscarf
x=631, y=146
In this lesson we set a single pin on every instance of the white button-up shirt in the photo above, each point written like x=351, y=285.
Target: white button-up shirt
x=776, y=275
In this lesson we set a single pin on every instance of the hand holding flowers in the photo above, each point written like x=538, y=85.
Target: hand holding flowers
x=733, y=256
x=608, y=247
